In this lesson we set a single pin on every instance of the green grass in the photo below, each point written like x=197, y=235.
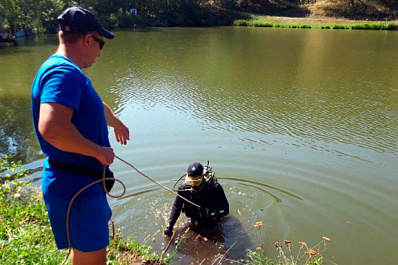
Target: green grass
x=317, y=25
x=25, y=232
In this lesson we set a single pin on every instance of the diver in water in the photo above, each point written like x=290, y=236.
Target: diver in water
x=202, y=188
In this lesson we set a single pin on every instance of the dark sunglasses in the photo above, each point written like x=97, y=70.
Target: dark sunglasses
x=101, y=42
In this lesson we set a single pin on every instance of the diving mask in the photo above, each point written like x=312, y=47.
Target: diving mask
x=193, y=181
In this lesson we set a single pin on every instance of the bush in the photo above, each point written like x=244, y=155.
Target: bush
x=339, y=27
x=392, y=26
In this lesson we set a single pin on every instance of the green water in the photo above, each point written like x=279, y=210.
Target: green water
x=299, y=125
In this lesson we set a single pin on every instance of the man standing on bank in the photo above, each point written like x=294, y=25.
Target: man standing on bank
x=70, y=122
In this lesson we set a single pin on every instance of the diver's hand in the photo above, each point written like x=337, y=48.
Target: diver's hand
x=168, y=231
x=203, y=212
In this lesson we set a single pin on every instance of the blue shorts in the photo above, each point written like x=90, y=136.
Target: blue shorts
x=88, y=223
x=89, y=215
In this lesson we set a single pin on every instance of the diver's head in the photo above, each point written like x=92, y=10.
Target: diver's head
x=194, y=176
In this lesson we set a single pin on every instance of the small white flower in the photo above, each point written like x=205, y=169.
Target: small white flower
x=17, y=195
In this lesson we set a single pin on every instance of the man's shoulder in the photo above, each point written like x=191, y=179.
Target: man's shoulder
x=59, y=63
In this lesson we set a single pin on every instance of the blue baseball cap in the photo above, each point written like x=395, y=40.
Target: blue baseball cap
x=79, y=20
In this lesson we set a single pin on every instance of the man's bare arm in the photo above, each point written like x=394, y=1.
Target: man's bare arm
x=122, y=133
x=55, y=127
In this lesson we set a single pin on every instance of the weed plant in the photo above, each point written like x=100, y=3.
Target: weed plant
x=288, y=255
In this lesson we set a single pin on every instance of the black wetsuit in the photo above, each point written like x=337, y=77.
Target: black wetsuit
x=211, y=196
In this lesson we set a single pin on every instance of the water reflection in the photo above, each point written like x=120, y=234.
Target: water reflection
x=277, y=199
x=268, y=82
x=263, y=81
x=256, y=184
x=137, y=193
x=16, y=130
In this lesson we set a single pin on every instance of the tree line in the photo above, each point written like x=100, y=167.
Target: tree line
x=40, y=15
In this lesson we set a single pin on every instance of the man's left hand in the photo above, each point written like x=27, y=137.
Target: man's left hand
x=122, y=133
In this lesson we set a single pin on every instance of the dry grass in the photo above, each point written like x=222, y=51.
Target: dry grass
x=362, y=9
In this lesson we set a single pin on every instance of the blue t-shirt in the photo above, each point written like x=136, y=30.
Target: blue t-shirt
x=61, y=81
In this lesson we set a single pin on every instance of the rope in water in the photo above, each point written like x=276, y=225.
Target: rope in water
x=103, y=180
x=157, y=183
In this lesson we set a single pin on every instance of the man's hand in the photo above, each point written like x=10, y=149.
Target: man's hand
x=122, y=133
x=168, y=231
x=106, y=155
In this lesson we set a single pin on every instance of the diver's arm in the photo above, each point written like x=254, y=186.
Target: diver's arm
x=175, y=211
x=221, y=208
x=174, y=214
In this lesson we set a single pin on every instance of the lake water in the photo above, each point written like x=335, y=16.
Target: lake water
x=300, y=127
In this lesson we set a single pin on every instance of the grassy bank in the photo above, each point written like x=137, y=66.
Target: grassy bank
x=315, y=23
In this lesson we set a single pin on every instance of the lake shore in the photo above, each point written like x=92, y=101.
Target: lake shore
x=315, y=22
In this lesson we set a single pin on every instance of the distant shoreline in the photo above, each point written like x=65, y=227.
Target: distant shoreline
x=315, y=22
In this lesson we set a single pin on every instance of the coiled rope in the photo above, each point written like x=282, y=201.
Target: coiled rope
x=103, y=180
